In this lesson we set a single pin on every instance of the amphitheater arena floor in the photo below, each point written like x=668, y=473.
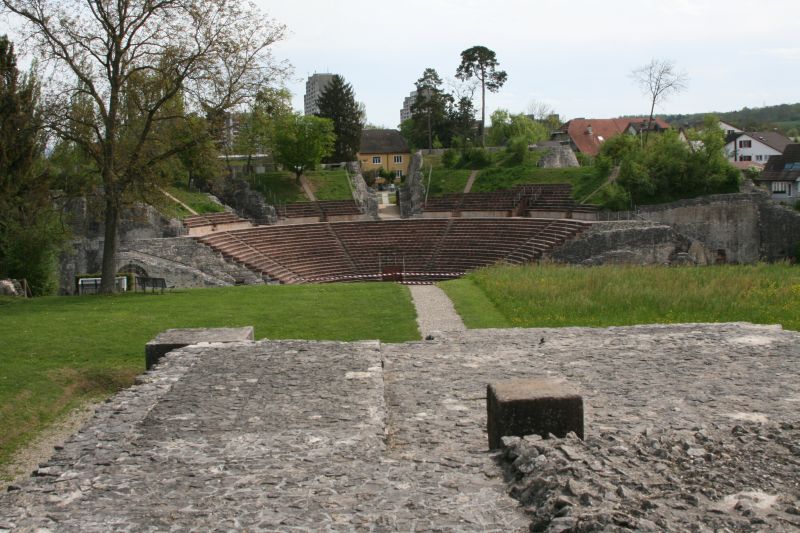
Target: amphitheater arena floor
x=688, y=427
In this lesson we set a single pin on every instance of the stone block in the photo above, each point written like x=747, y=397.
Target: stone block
x=172, y=339
x=532, y=406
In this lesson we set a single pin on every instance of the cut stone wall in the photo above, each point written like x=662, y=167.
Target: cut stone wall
x=183, y=262
x=412, y=193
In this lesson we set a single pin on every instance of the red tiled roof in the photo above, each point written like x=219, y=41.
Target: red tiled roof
x=601, y=130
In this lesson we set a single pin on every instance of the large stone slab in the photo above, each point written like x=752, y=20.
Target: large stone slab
x=172, y=339
x=520, y=407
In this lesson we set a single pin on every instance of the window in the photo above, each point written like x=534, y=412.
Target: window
x=745, y=144
x=779, y=187
x=745, y=158
x=376, y=160
x=398, y=159
x=398, y=173
x=759, y=157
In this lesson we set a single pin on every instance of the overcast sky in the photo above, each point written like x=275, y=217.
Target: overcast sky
x=574, y=55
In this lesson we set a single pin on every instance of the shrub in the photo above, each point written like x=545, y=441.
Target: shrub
x=476, y=158
x=585, y=160
x=517, y=149
x=450, y=158
x=614, y=197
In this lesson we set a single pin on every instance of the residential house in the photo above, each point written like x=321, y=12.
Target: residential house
x=755, y=146
x=781, y=175
x=384, y=149
x=728, y=128
x=587, y=135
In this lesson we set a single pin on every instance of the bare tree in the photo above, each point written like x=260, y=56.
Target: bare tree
x=659, y=79
x=540, y=110
x=121, y=69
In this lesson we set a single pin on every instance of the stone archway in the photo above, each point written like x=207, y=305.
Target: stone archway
x=132, y=271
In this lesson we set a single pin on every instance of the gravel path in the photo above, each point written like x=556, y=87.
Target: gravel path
x=435, y=311
x=470, y=181
x=308, y=189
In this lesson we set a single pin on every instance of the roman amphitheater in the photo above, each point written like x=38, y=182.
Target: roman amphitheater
x=689, y=427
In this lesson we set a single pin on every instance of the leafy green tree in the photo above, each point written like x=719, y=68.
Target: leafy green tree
x=481, y=63
x=30, y=235
x=257, y=127
x=462, y=120
x=667, y=168
x=200, y=159
x=131, y=59
x=431, y=105
x=338, y=103
x=301, y=142
x=506, y=126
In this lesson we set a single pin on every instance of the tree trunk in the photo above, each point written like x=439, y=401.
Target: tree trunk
x=483, y=113
x=649, y=120
x=430, y=132
x=109, y=272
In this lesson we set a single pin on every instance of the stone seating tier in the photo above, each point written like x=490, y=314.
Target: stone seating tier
x=428, y=248
x=542, y=197
x=211, y=219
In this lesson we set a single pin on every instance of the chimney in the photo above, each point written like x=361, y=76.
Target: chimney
x=589, y=129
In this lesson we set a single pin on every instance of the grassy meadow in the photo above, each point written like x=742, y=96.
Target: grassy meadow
x=501, y=174
x=282, y=188
x=555, y=295
x=57, y=352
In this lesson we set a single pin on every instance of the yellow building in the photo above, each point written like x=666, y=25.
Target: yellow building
x=384, y=149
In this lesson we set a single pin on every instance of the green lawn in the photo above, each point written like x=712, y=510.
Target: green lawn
x=502, y=175
x=330, y=184
x=197, y=200
x=446, y=180
x=278, y=187
x=554, y=296
x=57, y=352
x=282, y=188
x=583, y=179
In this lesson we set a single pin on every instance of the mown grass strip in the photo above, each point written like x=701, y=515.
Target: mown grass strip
x=57, y=352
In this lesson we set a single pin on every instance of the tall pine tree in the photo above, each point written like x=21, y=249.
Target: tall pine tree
x=338, y=103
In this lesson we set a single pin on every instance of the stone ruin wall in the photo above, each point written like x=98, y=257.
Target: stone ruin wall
x=147, y=240
x=412, y=193
x=631, y=243
x=361, y=193
x=184, y=262
x=731, y=228
x=84, y=253
x=559, y=157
